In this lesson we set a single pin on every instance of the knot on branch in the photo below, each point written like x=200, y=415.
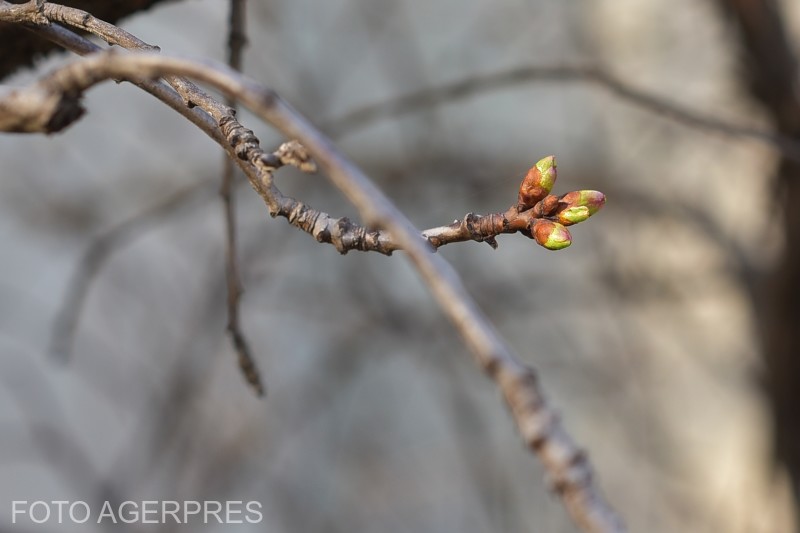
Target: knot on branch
x=347, y=236
x=302, y=216
x=68, y=110
x=40, y=17
x=39, y=110
x=484, y=227
x=571, y=476
x=31, y=12
x=243, y=141
x=521, y=390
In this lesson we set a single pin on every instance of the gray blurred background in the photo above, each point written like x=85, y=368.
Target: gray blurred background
x=646, y=331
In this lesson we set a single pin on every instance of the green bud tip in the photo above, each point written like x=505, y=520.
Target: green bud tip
x=551, y=235
x=593, y=200
x=547, y=168
x=537, y=182
x=573, y=215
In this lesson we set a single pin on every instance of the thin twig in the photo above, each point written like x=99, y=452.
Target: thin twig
x=97, y=254
x=236, y=42
x=341, y=232
x=464, y=88
x=65, y=323
x=474, y=85
x=539, y=425
x=451, y=92
x=82, y=46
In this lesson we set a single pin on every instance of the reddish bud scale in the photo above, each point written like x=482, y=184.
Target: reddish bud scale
x=577, y=206
x=547, y=206
x=551, y=235
x=537, y=182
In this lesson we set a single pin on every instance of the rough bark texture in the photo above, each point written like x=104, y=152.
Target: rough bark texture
x=771, y=71
x=21, y=48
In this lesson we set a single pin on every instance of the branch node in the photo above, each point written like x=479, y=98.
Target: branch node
x=271, y=160
x=295, y=154
x=573, y=476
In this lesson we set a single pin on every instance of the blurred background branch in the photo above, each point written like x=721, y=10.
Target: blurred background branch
x=770, y=72
x=237, y=39
x=21, y=48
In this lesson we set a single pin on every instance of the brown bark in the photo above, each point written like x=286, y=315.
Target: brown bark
x=771, y=70
x=21, y=48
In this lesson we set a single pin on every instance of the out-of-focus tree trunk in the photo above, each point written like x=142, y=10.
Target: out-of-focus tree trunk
x=20, y=48
x=772, y=75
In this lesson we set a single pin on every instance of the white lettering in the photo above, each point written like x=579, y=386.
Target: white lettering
x=60, y=504
x=15, y=511
x=46, y=509
x=149, y=507
x=173, y=512
x=254, y=512
x=106, y=512
x=187, y=512
x=133, y=517
x=229, y=512
x=86, y=512
x=215, y=513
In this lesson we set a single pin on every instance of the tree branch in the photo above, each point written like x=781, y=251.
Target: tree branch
x=538, y=424
x=236, y=42
x=771, y=72
x=93, y=259
x=21, y=49
x=473, y=85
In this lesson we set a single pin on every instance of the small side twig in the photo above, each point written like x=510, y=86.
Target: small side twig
x=236, y=42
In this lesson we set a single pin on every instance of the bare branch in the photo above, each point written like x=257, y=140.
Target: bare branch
x=237, y=34
x=80, y=45
x=538, y=424
x=95, y=257
x=474, y=85
x=460, y=89
x=29, y=12
x=236, y=42
x=21, y=49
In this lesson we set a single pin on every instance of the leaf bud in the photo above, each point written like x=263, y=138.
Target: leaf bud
x=577, y=206
x=551, y=235
x=537, y=182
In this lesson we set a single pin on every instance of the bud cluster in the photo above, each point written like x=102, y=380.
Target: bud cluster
x=549, y=215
